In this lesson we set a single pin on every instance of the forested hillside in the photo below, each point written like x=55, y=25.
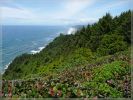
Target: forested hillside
x=95, y=61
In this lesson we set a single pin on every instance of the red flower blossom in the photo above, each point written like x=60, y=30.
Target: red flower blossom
x=51, y=92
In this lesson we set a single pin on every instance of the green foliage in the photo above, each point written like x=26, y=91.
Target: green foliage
x=111, y=43
x=108, y=71
x=81, y=55
x=106, y=77
x=123, y=25
x=105, y=24
x=105, y=73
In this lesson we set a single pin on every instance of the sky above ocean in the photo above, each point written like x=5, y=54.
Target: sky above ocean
x=59, y=12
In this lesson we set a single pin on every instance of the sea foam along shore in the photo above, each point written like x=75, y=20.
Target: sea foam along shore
x=37, y=51
x=32, y=52
x=6, y=66
x=71, y=30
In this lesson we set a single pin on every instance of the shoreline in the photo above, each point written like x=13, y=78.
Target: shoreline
x=31, y=52
x=6, y=67
x=71, y=30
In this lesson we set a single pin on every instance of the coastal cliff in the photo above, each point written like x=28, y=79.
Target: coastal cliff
x=93, y=61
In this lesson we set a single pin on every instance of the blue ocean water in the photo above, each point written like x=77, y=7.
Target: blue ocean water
x=17, y=40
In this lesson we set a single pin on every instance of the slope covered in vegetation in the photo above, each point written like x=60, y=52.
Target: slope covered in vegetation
x=95, y=61
x=107, y=76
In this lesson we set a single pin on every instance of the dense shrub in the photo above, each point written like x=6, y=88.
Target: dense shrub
x=111, y=44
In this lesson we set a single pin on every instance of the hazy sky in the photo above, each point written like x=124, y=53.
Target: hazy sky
x=58, y=12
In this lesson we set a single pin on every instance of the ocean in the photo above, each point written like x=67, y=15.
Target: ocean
x=17, y=40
